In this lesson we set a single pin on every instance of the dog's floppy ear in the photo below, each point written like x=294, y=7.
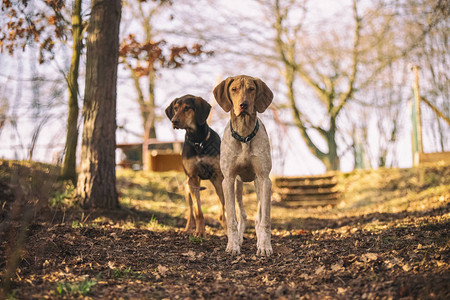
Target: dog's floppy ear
x=169, y=109
x=202, y=109
x=264, y=96
x=222, y=96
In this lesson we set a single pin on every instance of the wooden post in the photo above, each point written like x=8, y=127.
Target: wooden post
x=414, y=150
x=418, y=124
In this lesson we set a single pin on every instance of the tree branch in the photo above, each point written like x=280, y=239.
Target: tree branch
x=343, y=98
x=137, y=85
x=437, y=112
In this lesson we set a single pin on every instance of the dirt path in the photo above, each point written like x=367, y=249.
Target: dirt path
x=336, y=253
x=401, y=256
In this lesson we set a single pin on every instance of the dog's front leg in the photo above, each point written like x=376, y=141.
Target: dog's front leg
x=263, y=226
x=194, y=188
x=219, y=191
x=232, y=230
x=189, y=216
x=241, y=211
x=258, y=207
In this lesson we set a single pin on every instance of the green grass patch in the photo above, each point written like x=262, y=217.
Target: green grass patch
x=126, y=273
x=195, y=239
x=60, y=198
x=76, y=288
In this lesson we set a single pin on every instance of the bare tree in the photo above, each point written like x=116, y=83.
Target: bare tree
x=334, y=85
x=426, y=24
x=68, y=170
x=3, y=111
x=44, y=23
x=387, y=95
x=97, y=179
x=145, y=54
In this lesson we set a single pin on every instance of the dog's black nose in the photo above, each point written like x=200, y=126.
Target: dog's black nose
x=244, y=105
x=175, y=123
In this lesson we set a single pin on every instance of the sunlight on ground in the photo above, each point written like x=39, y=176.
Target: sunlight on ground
x=364, y=192
x=390, y=225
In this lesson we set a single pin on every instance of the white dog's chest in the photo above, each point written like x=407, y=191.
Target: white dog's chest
x=244, y=167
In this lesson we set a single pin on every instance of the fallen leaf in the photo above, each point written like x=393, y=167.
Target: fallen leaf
x=336, y=267
x=219, y=276
x=46, y=264
x=370, y=256
x=389, y=264
x=440, y=263
x=162, y=270
x=406, y=267
x=283, y=250
x=304, y=276
x=190, y=254
x=111, y=265
x=200, y=255
x=236, y=260
x=392, y=262
x=320, y=270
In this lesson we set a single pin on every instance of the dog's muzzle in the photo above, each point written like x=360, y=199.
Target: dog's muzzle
x=176, y=124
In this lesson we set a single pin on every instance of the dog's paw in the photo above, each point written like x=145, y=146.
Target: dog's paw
x=264, y=247
x=200, y=234
x=241, y=240
x=233, y=243
x=264, y=251
x=188, y=231
x=233, y=250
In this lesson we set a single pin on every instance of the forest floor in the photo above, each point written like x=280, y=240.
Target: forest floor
x=387, y=239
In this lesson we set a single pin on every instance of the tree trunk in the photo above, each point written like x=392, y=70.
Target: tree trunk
x=149, y=125
x=69, y=165
x=147, y=108
x=97, y=179
x=332, y=161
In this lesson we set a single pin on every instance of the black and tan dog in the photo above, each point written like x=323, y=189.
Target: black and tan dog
x=200, y=156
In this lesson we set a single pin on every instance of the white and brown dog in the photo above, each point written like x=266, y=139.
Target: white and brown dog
x=245, y=156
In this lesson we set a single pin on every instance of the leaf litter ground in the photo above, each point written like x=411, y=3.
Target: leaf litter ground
x=388, y=239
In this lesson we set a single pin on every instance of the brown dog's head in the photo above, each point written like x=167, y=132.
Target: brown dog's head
x=187, y=112
x=243, y=94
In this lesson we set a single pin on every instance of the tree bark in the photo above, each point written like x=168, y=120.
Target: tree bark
x=150, y=129
x=68, y=170
x=97, y=179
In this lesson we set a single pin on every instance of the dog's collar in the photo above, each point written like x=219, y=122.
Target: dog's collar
x=201, y=145
x=246, y=139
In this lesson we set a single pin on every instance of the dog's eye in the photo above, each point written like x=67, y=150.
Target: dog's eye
x=252, y=88
x=234, y=89
x=186, y=108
